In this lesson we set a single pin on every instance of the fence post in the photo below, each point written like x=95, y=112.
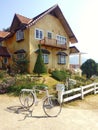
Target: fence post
x=60, y=88
x=60, y=96
x=94, y=88
x=82, y=95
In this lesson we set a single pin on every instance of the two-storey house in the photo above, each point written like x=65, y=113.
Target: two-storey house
x=50, y=29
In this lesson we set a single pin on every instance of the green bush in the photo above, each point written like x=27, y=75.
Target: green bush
x=15, y=89
x=39, y=67
x=59, y=75
x=2, y=74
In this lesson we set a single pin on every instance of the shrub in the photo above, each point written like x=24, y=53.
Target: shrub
x=59, y=75
x=20, y=65
x=22, y=82
x=2, y=74
x=39, y=67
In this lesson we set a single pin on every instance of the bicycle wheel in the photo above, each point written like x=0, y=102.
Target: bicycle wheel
x=26, y=98
x=52, y=107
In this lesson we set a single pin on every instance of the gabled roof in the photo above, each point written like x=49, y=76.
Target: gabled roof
x=3, y=34
x=4, y=52
x=56, y=11
x=73, y=50
x=19, y=21
x=22, y=22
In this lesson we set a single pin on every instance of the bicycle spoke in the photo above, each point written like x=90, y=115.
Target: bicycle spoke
x=26, y=98
x=51, y=107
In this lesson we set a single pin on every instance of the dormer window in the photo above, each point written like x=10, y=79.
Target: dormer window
x=19, y=35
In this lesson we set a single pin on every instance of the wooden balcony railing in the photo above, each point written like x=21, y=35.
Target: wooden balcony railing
x=52, y=43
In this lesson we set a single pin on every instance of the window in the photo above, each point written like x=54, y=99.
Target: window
x=0, y=43
x=19, y=35
x=49, y=35
x=5, y=60
x=61, y=39
x=20, y=55
x=39, y=34
x=61, y=59
x=45, y=58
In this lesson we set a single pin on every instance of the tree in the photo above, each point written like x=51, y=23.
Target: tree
x=39, y=67
x=6, y=29
x=89, y=68
x=20, y=64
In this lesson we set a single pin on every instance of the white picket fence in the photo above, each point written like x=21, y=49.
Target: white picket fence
x=64, y=96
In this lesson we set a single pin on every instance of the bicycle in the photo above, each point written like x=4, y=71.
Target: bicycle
x=51, y=106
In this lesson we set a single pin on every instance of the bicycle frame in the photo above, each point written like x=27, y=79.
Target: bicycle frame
x=33, y=91
x=51, y=106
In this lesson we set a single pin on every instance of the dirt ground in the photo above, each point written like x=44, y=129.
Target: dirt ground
x=77, y=115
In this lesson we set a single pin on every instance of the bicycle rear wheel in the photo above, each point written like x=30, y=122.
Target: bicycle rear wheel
x=52, y=107
x=26, y=98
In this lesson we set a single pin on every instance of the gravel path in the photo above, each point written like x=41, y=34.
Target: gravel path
x=77, y=115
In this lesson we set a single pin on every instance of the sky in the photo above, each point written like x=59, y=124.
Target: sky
x=80, y=14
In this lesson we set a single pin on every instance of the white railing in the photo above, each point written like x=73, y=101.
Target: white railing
x=64, y=96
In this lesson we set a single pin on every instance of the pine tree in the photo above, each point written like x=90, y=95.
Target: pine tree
x=39, y=67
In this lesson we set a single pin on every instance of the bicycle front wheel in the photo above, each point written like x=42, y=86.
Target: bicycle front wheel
x=52, y=107
x=26, y=98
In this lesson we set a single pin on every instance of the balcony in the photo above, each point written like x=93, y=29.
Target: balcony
x=52, y=43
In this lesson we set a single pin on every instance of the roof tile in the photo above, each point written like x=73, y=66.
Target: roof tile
x=23, y=19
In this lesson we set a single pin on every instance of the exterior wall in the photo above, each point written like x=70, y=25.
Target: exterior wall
x=30, y=44
x=12, y=45
x=52, y=24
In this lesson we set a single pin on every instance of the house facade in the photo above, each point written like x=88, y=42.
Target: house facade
x=50, y=29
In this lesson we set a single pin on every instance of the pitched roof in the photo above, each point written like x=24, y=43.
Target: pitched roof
x=56, y=11
x=19, y=21
x=3, y=34
x=73, y=50
x=4, y=52
x=23, y=19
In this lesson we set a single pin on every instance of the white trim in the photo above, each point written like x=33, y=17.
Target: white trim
x=51, y=34
x=61, y=59
x=61, y=41
x=45, y=58
x=40, y=31
x=19, y=35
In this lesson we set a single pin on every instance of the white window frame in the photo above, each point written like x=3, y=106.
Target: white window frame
x=61, y=39
x=48, y=35
x=19, y=35
x=45, y=58
x=40, y=35
x=61, y=59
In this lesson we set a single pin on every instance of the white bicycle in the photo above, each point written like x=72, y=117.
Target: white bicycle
x=51, y=106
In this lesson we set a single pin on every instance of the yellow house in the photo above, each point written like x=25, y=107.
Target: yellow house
x=50, y=29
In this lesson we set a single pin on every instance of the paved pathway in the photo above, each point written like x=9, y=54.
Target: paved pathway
x=79, y=117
